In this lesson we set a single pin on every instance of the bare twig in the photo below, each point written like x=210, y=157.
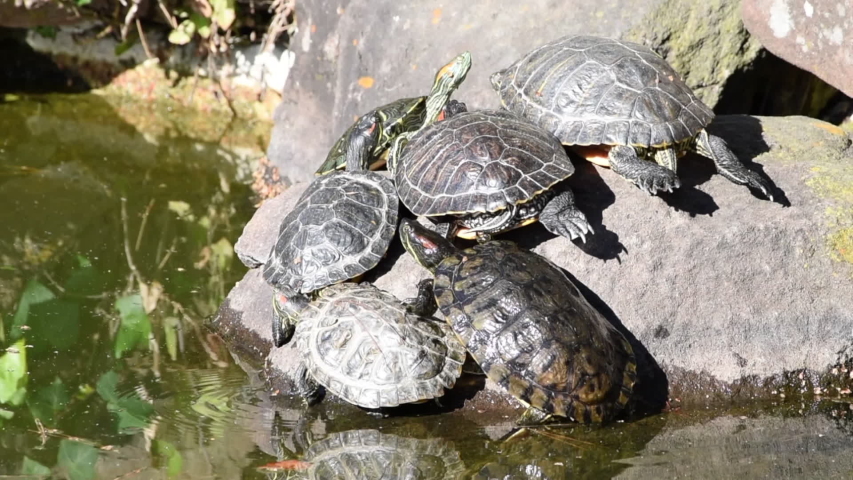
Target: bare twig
x=155, y=354
x=134, y=271
x=167, y=15
x=129, y=18
x=53, y=282
x=142, y=225
x=279, y=24
x=166, y=257
x=142, y=38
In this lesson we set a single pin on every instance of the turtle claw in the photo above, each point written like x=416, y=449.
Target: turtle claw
x=663, y=181
x=573, y=225
x=756, y=181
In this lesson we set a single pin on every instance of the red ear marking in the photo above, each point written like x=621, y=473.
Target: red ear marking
x=428, y=243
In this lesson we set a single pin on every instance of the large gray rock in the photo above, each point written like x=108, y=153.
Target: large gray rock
x=815, y=35
x=728, y=293
x=340, y=44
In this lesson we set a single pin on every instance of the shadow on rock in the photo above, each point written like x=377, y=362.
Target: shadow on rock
x=693, y=171
x=651, y=391
x=593, y=196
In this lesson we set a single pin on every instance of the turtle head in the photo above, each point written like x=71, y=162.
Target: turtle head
x=427, y=247
x=361, y=141
x=497, y=80
x=286, y=310
x=447, y=79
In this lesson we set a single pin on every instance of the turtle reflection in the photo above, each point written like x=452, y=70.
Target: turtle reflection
x=370, y=454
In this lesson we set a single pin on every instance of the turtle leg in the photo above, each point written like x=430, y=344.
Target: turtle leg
x=484, y=225
x=424, y=304
x=445, y=229
x=649, y=176
x=667, y=157
x=728, y=164
x=306, y=386
x=282, y=326
x=533, y=416
x=562, y=217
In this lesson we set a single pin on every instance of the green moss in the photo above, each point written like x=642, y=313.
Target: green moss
x=841, y=243
x=704, y=41
x=835, y=182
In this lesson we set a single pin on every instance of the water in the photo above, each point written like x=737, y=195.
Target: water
x=116, y=248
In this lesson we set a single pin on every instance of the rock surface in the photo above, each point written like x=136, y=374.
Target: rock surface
x=815, y=35
x=726, y=292
x=343, y=66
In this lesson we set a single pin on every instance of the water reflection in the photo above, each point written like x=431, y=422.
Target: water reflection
x=371, y=454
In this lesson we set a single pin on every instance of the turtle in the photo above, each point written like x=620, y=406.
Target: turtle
x=527, y=326
x=487, y=171
x=600, y=94
x=403, y=115
x=340, y=228
x=370, y=454
x=366, y=347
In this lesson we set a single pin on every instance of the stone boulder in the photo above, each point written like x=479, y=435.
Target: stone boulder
x=724, y=295
x=815, y=35
x=344, y=66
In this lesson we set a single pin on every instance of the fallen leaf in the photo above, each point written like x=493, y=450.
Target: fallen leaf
x=365, y=82
x=436, y=16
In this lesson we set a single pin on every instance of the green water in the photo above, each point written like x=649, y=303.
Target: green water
x=116, y=248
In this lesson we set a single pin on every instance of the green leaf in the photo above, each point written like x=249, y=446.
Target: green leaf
x=107, y=385
x=13, y=374
x=179, y=207
x=34, y=293
x=174, y=459
x=133, y=412
x=82, y=3
x=202, y=24
x=182, y=36
x=85, y=279
x=135, y=325
x=223, y=13
x=83, y=262
x=32, y=467
x=77, y=460
x=124, y=46
x=170, y=325
x=6, y=414
x=48, y=401
x=223, y=253
x=56, y=322
x=46, y=31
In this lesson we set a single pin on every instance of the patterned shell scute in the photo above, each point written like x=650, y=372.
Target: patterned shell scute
x=340, y=228
x=600, y=91
x=361, y=344
x=369, y=455
x=480, y=161
x=533, y=333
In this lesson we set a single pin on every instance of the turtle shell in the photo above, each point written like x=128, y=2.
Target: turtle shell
x=533, y=333
x=369, y=454
x=481, y=161
x=363, y=346
x=340, y=228
x=599, y=91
